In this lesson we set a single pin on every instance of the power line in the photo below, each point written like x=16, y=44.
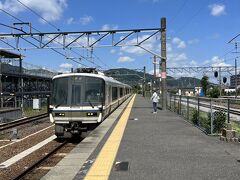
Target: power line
x=39, y=41
x=191, y=18
x=179, y=11
x=30, y=9
x=51, y=24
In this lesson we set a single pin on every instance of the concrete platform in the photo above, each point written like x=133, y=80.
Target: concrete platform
x=70, y=165
x=156, y=146
x=164, y=146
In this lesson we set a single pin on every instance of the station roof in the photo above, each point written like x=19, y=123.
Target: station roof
x=8, y=54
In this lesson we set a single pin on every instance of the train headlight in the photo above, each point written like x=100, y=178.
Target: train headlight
x=91, y=114
x=59, y=114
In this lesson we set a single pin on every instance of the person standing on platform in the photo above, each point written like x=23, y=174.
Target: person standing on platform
x=155, y=99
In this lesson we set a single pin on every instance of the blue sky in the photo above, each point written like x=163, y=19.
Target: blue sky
x=197, y=31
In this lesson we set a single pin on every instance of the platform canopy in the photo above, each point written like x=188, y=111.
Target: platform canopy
x=8, y=54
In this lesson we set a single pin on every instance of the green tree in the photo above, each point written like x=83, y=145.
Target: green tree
x=204, y=84
x=214, y=92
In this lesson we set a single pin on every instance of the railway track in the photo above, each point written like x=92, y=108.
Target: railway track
x=21, y=121
x=40, y=160
x=231, y=111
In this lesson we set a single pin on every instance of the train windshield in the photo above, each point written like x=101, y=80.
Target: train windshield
x=60, y=92
x=78, y=91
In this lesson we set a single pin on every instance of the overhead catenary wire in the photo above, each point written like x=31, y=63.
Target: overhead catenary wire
x=58, y=29
x=48, y=37
x=179, y=11
x=39, y=41
x=179, y=30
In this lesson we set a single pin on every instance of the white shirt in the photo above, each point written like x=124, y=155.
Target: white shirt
x=155, y=97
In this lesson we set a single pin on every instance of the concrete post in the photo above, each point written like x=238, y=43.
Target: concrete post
x=163, y=63
x=180, y=105
x=228, y=109
x=188, y=108
x=211, y=111
x=198, y=111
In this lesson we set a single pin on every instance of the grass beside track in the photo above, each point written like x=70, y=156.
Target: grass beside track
x=28, y=112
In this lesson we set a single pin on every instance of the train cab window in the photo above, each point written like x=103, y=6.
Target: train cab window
x=60, y=92
x=114, y=93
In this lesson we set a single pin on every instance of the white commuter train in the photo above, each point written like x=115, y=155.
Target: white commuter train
x=80, y=101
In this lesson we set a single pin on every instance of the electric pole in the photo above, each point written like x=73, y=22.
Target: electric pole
x=236, y=78
x=220, y=81
x=144, y=80
x=163, y=64
x=154, y=76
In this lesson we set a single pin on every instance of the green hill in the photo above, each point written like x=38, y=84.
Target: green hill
x=133, y=77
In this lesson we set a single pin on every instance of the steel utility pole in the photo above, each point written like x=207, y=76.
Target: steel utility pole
x=144, y=80
x=163, y=63
x=154, y=76
x=236, y=78
x=220, y=81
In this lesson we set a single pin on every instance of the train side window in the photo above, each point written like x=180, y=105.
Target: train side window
x=121, y=92
x=94, y=90
x=109, y=94
x=114, y=93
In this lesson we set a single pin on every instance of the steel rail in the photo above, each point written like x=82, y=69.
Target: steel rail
x=215, y=107
x=22, y=121
x=42, y=159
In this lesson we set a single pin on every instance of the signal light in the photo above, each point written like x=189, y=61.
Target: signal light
x=224, y=79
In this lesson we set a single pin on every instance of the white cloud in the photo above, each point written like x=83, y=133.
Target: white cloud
x=125, y=59
x=180, y=57
x=150, y=44
x=193, y=63
x=107, y=27
x=217, y=9
x=50, y=10
x=193, y=41
x=120, y=53
x=113, y=51
x=86, y=20
x=66, y=65
x=70, y=20
x=169, y=47
x=179, y=43
x=216, y=61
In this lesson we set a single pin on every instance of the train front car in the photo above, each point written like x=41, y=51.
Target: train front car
x=77, y=103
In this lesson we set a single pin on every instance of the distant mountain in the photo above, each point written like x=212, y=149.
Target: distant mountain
x=12, y=69
x=133, y=77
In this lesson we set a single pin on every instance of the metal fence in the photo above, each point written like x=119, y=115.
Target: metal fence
x=209, y=114
x=26, y=105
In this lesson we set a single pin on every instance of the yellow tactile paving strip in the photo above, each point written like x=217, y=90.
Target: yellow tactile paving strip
x=101, y=168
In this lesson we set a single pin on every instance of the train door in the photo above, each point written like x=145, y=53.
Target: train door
x=76, y=100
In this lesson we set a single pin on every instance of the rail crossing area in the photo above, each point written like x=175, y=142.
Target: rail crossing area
x=131, y=143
